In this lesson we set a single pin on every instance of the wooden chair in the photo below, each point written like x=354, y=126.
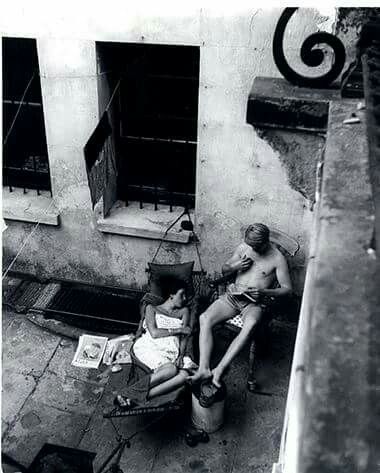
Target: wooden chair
x=288, y=247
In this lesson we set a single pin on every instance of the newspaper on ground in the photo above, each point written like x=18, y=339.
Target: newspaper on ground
x=118, y=350
x=90, y=351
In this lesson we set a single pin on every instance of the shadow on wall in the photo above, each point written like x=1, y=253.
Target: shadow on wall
x=299, y=155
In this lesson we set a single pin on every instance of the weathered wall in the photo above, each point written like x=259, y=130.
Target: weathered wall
x=240, y=177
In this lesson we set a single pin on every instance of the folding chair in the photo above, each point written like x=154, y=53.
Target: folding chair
x=288, y=247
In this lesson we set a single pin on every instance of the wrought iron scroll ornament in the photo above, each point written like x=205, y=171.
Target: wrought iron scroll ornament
x=310, y=55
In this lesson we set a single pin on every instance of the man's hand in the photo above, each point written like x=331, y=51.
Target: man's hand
x=256, y=293
x=243, y=264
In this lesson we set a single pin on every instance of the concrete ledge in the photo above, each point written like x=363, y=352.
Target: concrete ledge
x=142, y=223
x=29, y=207
x=342, y=361
x=274, y=103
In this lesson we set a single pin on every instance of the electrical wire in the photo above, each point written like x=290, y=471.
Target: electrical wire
x=19, y=108
x=26, y=240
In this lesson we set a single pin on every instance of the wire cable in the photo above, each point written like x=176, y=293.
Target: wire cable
x=19, y=108
x=26, y=240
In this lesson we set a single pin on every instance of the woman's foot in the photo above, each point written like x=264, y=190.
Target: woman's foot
x=200, y=375
x=189, y=365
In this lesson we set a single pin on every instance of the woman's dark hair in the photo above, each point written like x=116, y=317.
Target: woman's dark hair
x=170, y=285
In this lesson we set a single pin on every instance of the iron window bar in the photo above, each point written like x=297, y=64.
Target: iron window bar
x=157, y=195
x=19, y=102
x=164, y=140
x=26, y=177
x=154, y=193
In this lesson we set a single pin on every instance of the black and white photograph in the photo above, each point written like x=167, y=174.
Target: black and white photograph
x=190, y=234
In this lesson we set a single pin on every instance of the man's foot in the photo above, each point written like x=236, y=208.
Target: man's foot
x=200, y=375
x=210, y=393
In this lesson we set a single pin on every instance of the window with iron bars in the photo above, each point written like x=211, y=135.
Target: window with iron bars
x=151, y=94
x=25, y=155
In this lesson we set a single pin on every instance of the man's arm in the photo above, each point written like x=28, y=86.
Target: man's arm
x=283, y=278
x=236, y=263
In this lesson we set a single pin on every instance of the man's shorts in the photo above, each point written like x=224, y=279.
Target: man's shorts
x=237, y=303
x=240, y=305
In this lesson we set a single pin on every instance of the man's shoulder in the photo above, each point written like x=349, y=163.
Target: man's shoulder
x=277, y=254
x=243, y=247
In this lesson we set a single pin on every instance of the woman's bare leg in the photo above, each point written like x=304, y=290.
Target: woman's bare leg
x=169, y=385
x=162, y=374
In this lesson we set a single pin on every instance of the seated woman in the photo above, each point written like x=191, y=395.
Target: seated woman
x=159, y=348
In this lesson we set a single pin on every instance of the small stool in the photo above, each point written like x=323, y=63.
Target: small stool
x=210, y=419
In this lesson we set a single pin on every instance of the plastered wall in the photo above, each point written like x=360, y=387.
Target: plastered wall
x=240, y=176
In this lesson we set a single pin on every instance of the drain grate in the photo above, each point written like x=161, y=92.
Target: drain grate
x=94, y=308
x=25, y=295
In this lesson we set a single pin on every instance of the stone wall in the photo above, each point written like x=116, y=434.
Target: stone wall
x=241, y=177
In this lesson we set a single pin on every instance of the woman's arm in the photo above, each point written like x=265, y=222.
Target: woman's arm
x=150, y=318
x=186, y=325
x=185, y=317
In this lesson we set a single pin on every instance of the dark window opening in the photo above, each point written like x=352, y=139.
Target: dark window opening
x=25, y=155
x=156, y=114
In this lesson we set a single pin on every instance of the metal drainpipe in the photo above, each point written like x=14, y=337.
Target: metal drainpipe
x=288, y=461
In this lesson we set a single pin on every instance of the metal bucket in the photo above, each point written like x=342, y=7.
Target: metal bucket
x=210, y=419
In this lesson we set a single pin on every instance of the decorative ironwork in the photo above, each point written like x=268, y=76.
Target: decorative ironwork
x=310, y=55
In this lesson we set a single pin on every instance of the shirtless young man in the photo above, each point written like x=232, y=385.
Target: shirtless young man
x=257, y=264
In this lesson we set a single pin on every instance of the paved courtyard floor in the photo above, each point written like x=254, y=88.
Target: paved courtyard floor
x=46, y=399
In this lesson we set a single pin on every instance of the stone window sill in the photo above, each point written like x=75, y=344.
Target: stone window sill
x=142, y=223
x=29, y=207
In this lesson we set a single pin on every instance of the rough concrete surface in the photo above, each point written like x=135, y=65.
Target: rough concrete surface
x=45, y=399
x=341, y=429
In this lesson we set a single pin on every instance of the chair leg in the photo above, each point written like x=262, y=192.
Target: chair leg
x=251, y=382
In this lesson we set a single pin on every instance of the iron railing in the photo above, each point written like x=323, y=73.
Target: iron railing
x=25, y=156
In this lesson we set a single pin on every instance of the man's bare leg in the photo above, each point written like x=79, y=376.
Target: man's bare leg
x=252, y=316
x=218, y=312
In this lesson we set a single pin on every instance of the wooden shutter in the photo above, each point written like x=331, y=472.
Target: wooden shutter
x=100, y=157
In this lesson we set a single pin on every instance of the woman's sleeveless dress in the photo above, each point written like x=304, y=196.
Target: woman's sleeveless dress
x=155, y=352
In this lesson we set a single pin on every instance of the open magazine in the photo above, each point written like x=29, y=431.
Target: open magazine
x=118, y=350
x=90, y=351
x=240, y=293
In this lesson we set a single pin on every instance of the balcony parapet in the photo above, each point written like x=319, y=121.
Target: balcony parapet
x=331, y=422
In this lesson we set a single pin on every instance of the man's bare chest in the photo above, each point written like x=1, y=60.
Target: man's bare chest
x=261, y=266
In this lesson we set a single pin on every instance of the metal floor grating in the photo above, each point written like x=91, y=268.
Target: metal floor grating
x=93, y=308
x=25, y=295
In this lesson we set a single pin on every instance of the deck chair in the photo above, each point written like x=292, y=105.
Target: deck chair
x=175, y=400
x=289, y=248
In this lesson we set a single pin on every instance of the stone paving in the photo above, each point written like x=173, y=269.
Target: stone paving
x=46, y=399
